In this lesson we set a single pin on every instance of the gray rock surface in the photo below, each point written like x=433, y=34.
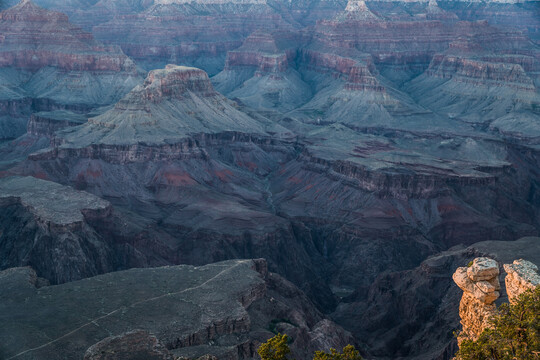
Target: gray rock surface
x=184, y=309
x=46, y=225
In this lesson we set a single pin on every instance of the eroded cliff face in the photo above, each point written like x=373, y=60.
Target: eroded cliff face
x=480, y=284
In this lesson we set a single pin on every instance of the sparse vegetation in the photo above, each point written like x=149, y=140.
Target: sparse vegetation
x=349, y=353
x=514, y=335
x=277, y=348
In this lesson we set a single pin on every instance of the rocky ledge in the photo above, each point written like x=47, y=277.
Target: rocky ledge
x=46, y=225
x=223, y=309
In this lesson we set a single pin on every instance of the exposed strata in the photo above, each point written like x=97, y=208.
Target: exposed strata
x=260, y=74
x=522, y=276
x=198, y=33
x=184, y=310
x=33, y=38
x=47, y=63
x=172, y=104
x=480, y=284
x=48, y=122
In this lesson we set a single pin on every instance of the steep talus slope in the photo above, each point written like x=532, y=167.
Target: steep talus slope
x=215, y=309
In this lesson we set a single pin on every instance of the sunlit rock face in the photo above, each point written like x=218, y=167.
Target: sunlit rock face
x=480, y=284
x=522, y=276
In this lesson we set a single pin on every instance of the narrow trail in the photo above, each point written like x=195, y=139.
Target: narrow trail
x=94, y=321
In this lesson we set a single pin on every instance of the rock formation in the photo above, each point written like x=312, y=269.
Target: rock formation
x=413, y=313
x=48, y=226
x=172, y=104
x=480, y=284
x=261, y=75
x=224, y=309
x=46, y=63
x=196, y=33
x=522, y=276
x=358, y=10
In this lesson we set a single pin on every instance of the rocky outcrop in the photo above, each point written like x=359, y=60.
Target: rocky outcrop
x=522, y=276
x=480, y=284
x=357, y=10
x=125, y=346
x=173, y=104
x=413, y=313
x=161, y=313
x=47, y=226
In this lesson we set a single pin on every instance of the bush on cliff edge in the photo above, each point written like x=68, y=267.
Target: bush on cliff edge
x=514, y=334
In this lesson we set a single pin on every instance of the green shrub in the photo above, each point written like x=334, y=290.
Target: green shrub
x=514, y=335
x=349, y=353
x=277, y=348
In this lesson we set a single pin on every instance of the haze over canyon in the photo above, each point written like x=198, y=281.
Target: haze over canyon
x=181, y=178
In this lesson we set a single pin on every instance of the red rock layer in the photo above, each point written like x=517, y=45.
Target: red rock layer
x=32, y=38
x=359, y=75
x=261, y=52
x=478, y=72
x=169, y=32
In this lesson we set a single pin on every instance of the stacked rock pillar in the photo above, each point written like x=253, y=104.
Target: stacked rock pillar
x=480, y=284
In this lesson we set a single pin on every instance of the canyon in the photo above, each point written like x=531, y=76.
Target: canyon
x=364, y=149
